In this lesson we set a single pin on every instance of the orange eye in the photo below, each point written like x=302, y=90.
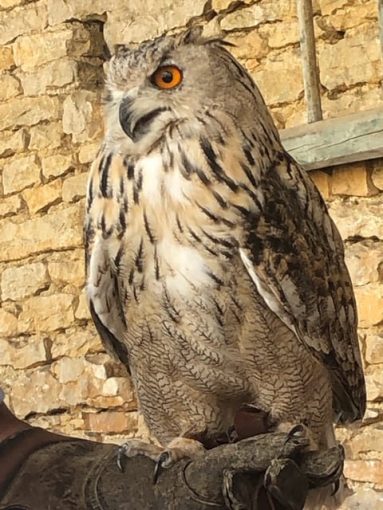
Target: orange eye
x=167, y=77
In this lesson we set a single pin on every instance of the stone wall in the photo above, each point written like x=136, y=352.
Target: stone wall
x=52, y=364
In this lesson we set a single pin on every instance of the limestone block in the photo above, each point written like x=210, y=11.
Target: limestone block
x=40, y=198
x=68, y=270
x=22, y=281
x=49, y=77
x=74, y=187
x=361, y=97
x=23, y=20
x=365, y=262
x=363, y=499
x=82, y=116
x=36, y=391
x=365, y=471
x=249, y=45
x=56, y=165
x=110, y=421
x=362, y=217
x=346, y=18
x=272, y=75
x=8, y=323
x=368, y=440
x=61, y=10
x=279, y=35
x=221, y=5
x=82, y=310
x=54, y=231
x=322, y=182
x=132, y=23
x=12, y=142
x=20, y=173
x=370, y=305
x=352, y=179
x=46, y=313
x=34, y=50
x=329, y=6
x=374, y=383
x=374, y=349
x=24, y=352
x=28, y=111
x=68, y=369
x=9, y=87
x=74, y=343
x=88, y=152
x=45, y=136
x=10, y=206
x=244, y=18
x=351, y=60
x=8, y=4
x=122, y=386
x=6, y=58
x=377, y=175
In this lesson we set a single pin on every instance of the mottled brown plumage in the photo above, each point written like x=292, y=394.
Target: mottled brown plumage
x=214, y=269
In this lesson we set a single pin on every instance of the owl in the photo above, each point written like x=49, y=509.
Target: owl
x=214, y=271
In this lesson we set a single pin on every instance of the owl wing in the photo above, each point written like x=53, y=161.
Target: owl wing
x=102, y=251
x=294, y=254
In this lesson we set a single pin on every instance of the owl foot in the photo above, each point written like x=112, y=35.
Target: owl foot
x=135, y=447
x=177, y=449
x=299, y=434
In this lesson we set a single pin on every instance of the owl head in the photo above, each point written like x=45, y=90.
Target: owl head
x=181, y=82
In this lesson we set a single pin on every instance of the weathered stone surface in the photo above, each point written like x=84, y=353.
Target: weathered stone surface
x=88, y=152
x=365, y=262
x=20, y=173
x=45, y=136
x=351, y=60
x=10, y=206
x=82, y=116
x=358, y=98
x=374, y=383
x=249, y=45
x=368, y=439
x=34, y=50
x=322, y=182
x=7, y=4
x=24, y=352
x=46, y=313
x=363, y=499
x=9, y=87
x=53, y=231
x=22, y=21
x=244, y=18
x=329, y=6
x=36, y=391
x=12, y=142
x=370, y=305
x=82, y=310
x=74, y=187
x=8, y=323
x=272, y=76
x=352, y=180
x=361, y=217
x=74, y=343
x=111, y=421
x=56, y=165
x=22, y=281
x=6, y=58
x=365, y=471
x=28, y=111
x=126, y=23
x=279, y=35
x=68, y=270
x=49, y=77
x=39, y=199
x=374, y=349
x=377, y=175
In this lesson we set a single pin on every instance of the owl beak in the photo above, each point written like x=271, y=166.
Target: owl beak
x=135, y=127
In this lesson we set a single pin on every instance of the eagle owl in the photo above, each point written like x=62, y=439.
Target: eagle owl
x=214, y=272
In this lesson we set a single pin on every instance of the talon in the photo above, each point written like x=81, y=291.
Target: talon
x=162, y=459
x=336, y=485
x=120, y=456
